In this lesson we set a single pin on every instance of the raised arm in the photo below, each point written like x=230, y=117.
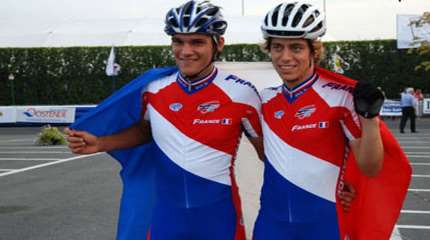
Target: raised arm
x=368, y=150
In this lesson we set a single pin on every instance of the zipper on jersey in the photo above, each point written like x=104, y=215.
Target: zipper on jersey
x=290, y=215
x=187, y=202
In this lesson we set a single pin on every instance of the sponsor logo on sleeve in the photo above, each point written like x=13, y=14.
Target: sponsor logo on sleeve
x=176, y=107
x=242, y=82
x=279, y=114
x=338, y=86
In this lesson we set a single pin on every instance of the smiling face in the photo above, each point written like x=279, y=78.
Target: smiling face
x=194, y=52
x=292, y=59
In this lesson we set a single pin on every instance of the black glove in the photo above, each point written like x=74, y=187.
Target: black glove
x=368, y=99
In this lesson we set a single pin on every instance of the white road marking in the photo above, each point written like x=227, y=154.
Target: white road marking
x=6, y=170
x=36, y=152
x=413, y=227
x=395, y=235
x=418, y=156
x=418, y=190
x=416, y=147
x=29, y=159
x=419, y=164
x=418, y=153
x=420, y=176
x=46, y=164
x=32, y=147
x=19, y=140
x=415, y=211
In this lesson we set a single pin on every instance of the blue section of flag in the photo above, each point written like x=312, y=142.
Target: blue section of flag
x=120, y=111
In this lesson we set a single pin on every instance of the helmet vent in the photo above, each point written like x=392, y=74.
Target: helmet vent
x=275, y=18
x=195, y=17
x=309, y=21
x=318, y=27
x=293, y=19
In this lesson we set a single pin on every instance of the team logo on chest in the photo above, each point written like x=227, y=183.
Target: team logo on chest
x=279, y=114
x=175, y=107
x=208, y=107
x=305, y=111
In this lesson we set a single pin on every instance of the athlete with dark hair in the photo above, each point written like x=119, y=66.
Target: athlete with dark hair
x=196, y=117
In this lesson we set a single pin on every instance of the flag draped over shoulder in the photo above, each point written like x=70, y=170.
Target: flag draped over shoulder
x=118, y=112
x=379, y=199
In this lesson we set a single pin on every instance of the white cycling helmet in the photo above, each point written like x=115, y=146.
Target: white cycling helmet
x=294, y=20
x=195, y=17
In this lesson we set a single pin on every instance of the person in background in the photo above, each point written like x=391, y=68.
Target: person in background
x=408, y=103
x=420, y=97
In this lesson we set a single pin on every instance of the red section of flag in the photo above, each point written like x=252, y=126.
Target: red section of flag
x=379, y=200
x=376, y=208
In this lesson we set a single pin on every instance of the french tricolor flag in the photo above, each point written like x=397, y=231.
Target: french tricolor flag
x=323, y=125
x=226, y=121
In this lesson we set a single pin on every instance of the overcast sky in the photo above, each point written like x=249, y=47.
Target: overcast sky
x=347, y=19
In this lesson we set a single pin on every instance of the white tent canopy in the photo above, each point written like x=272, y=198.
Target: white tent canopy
x=122, y=32
x=64, y=23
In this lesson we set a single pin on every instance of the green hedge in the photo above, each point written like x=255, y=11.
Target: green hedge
x=76, y=75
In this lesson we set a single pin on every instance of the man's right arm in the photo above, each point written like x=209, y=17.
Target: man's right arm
x=81, y=142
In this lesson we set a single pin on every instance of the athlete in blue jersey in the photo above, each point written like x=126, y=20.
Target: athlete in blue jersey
x=310, y=124
x=196, y=117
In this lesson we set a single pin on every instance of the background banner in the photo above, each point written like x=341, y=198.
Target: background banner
x=410, y=34
x=391, y=108
x=426, y=106
x=45, y=114
x=7, y=114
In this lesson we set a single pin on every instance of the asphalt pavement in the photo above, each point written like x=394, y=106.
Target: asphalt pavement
x=48, y=193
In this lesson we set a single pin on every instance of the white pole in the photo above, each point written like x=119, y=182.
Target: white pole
x=325, y=10
x=243, y=7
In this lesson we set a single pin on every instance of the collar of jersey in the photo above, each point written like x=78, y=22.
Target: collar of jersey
x=196, y=85
x=291, y=94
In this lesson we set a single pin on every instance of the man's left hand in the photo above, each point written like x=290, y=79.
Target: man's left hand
x=346, y=196
x=368, y=99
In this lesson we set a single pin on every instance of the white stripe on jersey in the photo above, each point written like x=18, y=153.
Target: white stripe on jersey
x=155, y=86
x=188, y=153
x=346, y=131
x=239, y=91
x=308, y=172
x=248, y=128
x=268, y=93
x=340, y=99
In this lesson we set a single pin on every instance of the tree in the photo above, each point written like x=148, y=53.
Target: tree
x=424, y=49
